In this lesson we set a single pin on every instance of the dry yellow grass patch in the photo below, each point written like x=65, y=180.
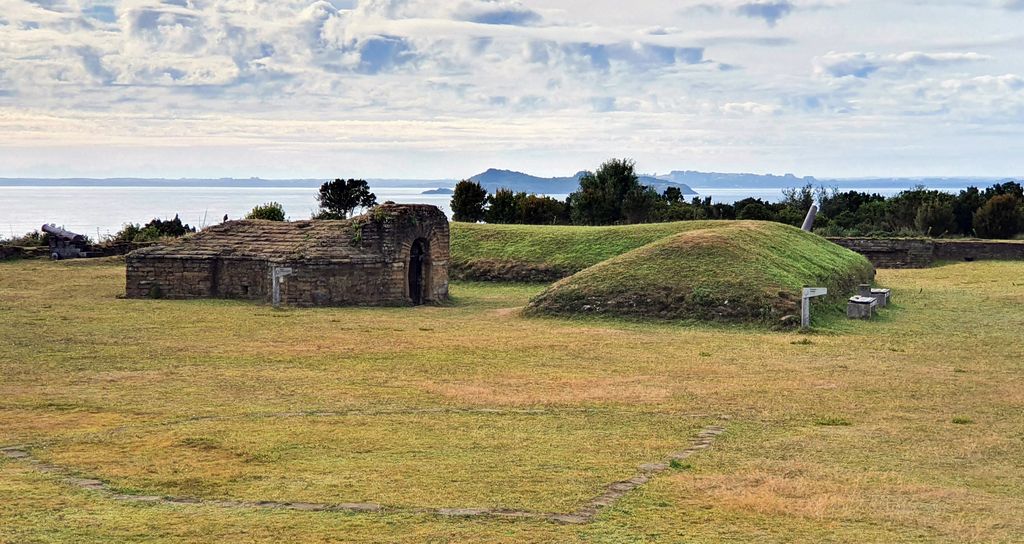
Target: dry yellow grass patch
x=113, y=388
x=525, y=391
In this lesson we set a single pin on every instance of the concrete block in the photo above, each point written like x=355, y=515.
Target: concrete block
x=882, y=296
x=861, y=307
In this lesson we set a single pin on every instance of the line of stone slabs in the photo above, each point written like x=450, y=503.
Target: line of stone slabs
x=867, y=301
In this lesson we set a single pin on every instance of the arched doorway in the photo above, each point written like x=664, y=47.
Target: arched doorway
x=417, y=269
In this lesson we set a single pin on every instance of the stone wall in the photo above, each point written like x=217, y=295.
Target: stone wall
x=43, y=252
x=923, y=252
x=364, y=261
x=18, y=252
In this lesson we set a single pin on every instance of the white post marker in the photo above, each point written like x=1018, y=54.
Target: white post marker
x=805, y=304
x=276, y=274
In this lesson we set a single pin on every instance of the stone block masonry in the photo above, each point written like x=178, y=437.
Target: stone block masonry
x=393, y=255
x=924, y=252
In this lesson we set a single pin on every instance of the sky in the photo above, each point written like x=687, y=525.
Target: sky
x=447, y=88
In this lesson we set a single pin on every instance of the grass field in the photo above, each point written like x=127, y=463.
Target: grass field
x=481, y=250
x=904, y=429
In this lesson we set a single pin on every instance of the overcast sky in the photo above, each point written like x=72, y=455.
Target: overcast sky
x=447, y=88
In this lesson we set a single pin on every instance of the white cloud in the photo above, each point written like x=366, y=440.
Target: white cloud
x=315, y=83
x=864, y=65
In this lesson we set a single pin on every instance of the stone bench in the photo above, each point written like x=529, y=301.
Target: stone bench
x=861, y=307
x=881, y=295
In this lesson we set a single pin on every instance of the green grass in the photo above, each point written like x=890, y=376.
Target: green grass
x=231, y=399
x=541, y=253
x=736, y=271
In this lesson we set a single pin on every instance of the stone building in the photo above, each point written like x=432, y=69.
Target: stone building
x=393, y=255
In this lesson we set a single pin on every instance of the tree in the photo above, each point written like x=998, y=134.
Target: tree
x=967, y=202
x=673, y=194
x=468, y=202
x=271, y=211
x=339, y=198
x=173, y=228
x=754, y=209
x=1000, y=217
x=600, y=198
x=798, y=198
x=504, y=207
x=541, y=210
x=903, y=208
x=638, y=204
x=1011, y=188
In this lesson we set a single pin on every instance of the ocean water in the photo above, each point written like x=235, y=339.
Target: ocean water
x=101, y=211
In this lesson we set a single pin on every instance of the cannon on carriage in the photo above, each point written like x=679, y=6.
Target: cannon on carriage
x=66, y=244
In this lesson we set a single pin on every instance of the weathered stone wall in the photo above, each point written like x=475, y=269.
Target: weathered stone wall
x=923, y=252
x=340, y=284
x=43, y=252
x=368, y=264
x=193, y=277
x=18, y=252
x=393, y=235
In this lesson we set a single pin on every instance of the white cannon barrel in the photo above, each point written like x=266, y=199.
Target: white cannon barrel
x=812, y=214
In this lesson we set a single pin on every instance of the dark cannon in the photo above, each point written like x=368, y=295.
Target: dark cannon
x=66, y=244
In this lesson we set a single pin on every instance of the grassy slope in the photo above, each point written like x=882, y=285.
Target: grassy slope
x=738, y=270
x=113, y=387
x=525, y=252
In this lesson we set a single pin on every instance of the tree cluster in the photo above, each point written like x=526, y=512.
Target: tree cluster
x=471, y=203
x=613, y=195
x=996, y=212
x=152, y=231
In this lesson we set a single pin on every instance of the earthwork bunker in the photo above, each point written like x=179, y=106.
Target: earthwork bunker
x=392, y=255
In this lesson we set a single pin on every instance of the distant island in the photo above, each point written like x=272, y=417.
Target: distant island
x=770, y=181
x=495, y=179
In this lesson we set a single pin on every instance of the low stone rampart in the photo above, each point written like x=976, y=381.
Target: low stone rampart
x=923, y=252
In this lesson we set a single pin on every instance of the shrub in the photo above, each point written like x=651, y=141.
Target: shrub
x=153, y=231
x=271, y=211
x=129, y=233
x=935, y=218
x=754, y=209
x=29, y=239
x=541, y=210
x=468, y=202
x=1000, y=217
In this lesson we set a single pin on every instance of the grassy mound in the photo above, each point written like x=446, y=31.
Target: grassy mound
x=547, y=253
x=725, y=271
